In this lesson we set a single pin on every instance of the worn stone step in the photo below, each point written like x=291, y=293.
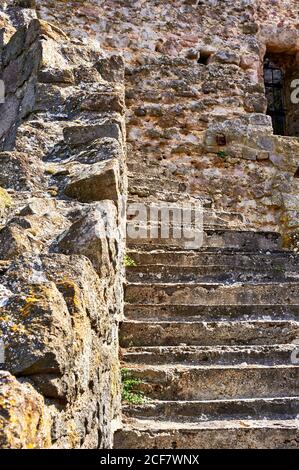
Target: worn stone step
x=213, y=293
x=214, y=382
x=155, y=190
x=216, y=312
x=229, y=434
x=209, y=273
x=154, y=169
x=222, y=238
x=202, y=333
x=153, y=197
x=211, y=218
x=206, y=410
x=148, y=184
x=204, y=355
x=276, y=260
x=141, y=194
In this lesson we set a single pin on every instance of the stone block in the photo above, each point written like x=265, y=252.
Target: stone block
x=103, y=103
x=94, y=236
x=24, y=421
x=96, y=182
x=226, y=57
x=111, y=68
x=79, y=135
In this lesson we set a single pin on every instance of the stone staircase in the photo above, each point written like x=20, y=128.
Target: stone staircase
x=208, y=337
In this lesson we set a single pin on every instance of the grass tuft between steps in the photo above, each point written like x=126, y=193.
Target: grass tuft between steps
x=128, y=261
x=130, y=392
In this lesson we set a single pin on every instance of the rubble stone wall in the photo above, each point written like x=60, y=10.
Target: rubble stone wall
x=196, y=98
x=62, y=238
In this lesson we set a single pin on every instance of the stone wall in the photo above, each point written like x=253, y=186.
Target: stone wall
x=196, y=110
x=62, y=206
x=195, y=95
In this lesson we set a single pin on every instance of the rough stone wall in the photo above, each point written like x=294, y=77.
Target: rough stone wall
x=13, y=14
x=62, y=207
x=205, y=122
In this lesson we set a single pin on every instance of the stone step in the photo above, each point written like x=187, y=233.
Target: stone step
x=214, y=382
x=209, y=273
x=222, y=238
x=142, y=195
x=166, y=312
x=154, y=169
x=229, y=434
x=209, y=329
x=276, y=260
x=212, y=219
x=153, y=189
x=213, y=293
x=199, y=333
x=196, y=411
x=148, y=185
x=203, y=355
x=161, y=171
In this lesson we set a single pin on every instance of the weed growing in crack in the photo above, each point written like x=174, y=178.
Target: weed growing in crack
x=130, y=392
x=222, y=154
x=128, y=262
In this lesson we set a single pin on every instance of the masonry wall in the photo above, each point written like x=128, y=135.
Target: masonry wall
x=195, y=114
x=204, y=125
x=62, y=237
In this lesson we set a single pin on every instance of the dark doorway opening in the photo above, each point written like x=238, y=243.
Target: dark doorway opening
x=274, y=85
x=279, y=72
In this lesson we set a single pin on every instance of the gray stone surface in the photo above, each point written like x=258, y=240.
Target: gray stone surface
x=61, y=276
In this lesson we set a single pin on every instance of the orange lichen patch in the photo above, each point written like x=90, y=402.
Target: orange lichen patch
x=29, y=302
x=37, y=294
x=30, y=446
x=5, y=401
x=5, y=199
x=71, y=294
x=73, y=435
x=4, y=318
x=15, y=328
x=24, y=422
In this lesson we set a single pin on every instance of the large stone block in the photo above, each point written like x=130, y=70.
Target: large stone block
x=111, y=68
x=15, y=241
x=96, y=182
x=94, y=236
x=103, y=103
x=19, y=171
x=5, y=201
x=24, y=421
x=60, y=336
x=79, y=135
